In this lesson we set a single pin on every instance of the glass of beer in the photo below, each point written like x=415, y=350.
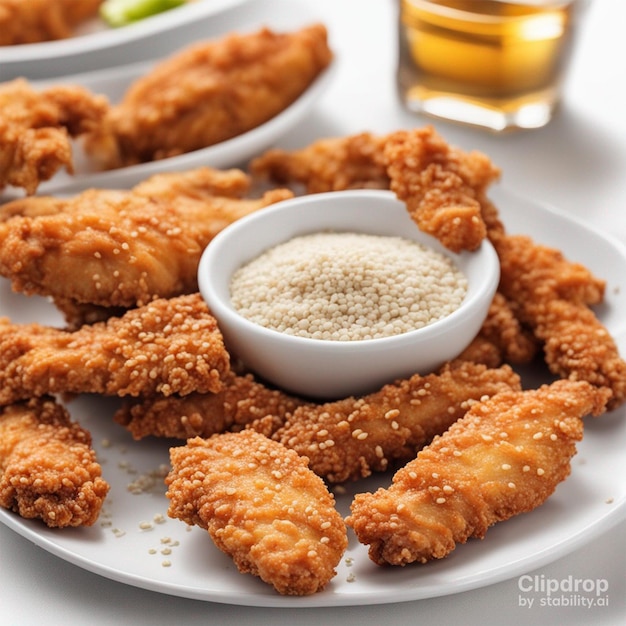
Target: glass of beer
x=495, y=64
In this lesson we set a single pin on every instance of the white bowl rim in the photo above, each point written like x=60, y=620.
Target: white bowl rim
x=471, y=300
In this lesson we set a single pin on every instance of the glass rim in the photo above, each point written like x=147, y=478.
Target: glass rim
x=436, y=7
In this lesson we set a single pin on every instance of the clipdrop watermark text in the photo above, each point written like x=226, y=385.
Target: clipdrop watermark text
x=542, y=591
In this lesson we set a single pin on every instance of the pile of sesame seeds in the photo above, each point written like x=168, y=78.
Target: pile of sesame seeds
x=347, y=286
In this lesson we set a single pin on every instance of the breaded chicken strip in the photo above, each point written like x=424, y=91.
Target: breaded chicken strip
x=34, y=21
x=114, y=248
x=505, y=457
x=351, y=438
x=242, y=401
x=36, y=130
x=48, y=469
x=262, y=506
x=208, y=93
x=440, y=184
x=167, y=346
x=510, y=341
x=329, y=164
x=552, y=296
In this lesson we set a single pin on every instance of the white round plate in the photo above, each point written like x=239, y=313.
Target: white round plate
x=135, y=543
x=97, y=46
x=230, y=153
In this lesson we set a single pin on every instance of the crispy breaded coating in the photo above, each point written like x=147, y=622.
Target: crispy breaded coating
x=514, y=343
x=578, y=346
x=48, y=469
x=351, y=438
x=505, y=457
x=552, y=296
x=330, y=164
x=36, y=130
x=114, y=248
x=441, y=185
x=167, y=346
x=34, y=21
x=208, y=93
x=242, y=401
x=262, y=506
x=530, y=270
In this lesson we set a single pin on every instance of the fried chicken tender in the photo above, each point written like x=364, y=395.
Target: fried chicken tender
x=34, y=21
x=262, y=506
x=243, y=401
x=114, y=248
x=505, y=457
x=553, y=297
x=440, y=184
x=330, y=164
x=351, y=438
x=168, y=346
x=502, y=338
x=48, y=469
x=36, y=130
x=208, y=93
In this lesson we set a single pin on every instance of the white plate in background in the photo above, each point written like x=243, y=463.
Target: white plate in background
x=96, y=46
x=170, y=558
x=230, y=153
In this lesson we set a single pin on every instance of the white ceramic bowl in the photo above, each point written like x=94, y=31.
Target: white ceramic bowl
x=334, y=369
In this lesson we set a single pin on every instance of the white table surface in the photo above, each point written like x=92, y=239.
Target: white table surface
x=577, y=163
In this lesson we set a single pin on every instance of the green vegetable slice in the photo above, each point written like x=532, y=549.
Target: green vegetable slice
x=122, y=12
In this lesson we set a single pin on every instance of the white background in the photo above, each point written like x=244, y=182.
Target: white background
x=577, y=163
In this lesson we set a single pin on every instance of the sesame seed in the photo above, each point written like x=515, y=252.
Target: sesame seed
x=506, y=466
x=540, y=471
x=538, y=435
x=347, y=286
x=440, y=500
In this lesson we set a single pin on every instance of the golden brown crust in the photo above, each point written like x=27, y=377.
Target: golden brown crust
x=243, y=401
x=351, y=438
x=441, y=186
x=36, y=128
x=48, y=469
x=330, y=164
x=552, y=296
x=168, y=346
x=261, y=505
x=208, y=93
x=122, y=248
x=34, y=21
x=505, y=457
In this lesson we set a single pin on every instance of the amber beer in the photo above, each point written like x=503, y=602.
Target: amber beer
x=493, y=63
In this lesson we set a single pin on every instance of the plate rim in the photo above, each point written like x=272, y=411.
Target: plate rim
x=112, y=37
